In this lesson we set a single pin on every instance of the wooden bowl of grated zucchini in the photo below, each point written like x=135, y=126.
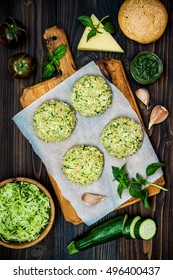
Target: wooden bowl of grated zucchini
x=27, y=212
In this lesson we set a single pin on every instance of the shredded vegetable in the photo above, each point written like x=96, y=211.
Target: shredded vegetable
x=83, y=164
x=24, y=212
x=122, y=137
x=91, y=95
x=54, y=121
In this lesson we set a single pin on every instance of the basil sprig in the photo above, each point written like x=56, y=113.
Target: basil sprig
x=49, y=67
x=135, y=185
x=87, y=21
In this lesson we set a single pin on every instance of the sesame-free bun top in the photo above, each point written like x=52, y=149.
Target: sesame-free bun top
x=143, y=21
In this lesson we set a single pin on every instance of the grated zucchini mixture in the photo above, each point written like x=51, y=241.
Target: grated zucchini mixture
x=83, y=164
x=91, y=95
x=54, y=121
x=24, y=212
x=122, y=137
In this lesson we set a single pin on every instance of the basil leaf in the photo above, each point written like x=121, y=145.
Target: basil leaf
x=86, y=21
x=50, y=67
x=123, y=169
x=142, y=194
x=134, y=185
x=120, y=175
x=48, y=70
x=60, y=51
x=135, y=192
x=109, y=27
x=145, y=198
x=152, y=168
x=50, y=55
x=116, y=172
x=91, y=34
x=120, y=189
x=140, y=179
x=56, y=62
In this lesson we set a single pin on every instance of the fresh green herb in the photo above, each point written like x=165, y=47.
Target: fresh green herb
x=50, y=67
x=109, y=27
x=87, y=21
x=152, y=168
x=135, y=185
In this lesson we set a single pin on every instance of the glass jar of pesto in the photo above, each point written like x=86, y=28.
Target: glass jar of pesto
x=146, y=67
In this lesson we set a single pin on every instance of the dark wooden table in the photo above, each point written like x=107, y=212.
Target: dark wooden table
x=18, y=159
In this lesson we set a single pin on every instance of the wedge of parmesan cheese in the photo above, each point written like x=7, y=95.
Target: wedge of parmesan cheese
x=100, y=42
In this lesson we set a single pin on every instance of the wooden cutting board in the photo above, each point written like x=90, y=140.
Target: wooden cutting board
x=113, y=70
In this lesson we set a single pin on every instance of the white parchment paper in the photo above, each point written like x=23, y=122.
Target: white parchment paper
x=87, y=131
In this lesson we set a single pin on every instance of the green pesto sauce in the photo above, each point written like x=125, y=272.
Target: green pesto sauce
x=146, y=67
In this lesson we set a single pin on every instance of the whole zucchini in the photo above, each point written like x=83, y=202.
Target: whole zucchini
x=104, y=232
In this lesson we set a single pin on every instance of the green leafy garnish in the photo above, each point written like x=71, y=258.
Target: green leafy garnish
x=50, y=67
x=135, y=185
x=87, y=22
x=152, y=168
x=109, y=27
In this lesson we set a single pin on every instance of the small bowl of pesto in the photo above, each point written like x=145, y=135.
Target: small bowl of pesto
x=146, y=67
x=27, y=213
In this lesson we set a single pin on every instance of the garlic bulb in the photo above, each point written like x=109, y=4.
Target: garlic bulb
x=144, y=96
x=158, y=115
x=91, y=198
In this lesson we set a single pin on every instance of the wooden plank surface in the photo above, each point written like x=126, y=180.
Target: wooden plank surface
x=113, y=70
x=18, y=159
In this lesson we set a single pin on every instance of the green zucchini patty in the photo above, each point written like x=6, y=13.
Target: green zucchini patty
x=83, y=164
x=122, y=137
x=91, y=95
x=54, y=121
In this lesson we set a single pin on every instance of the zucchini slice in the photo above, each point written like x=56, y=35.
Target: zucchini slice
x=101, y=233
x=145, y=229
x=128, y=230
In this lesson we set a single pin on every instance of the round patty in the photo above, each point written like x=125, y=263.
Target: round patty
x=143, y=20
x=54, y=121
x=91, y=95
x=122, y=137
x=83, y=164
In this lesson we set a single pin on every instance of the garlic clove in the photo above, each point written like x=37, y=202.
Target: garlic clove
x=92, y=198
x=158, y=115
x=144, y=96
